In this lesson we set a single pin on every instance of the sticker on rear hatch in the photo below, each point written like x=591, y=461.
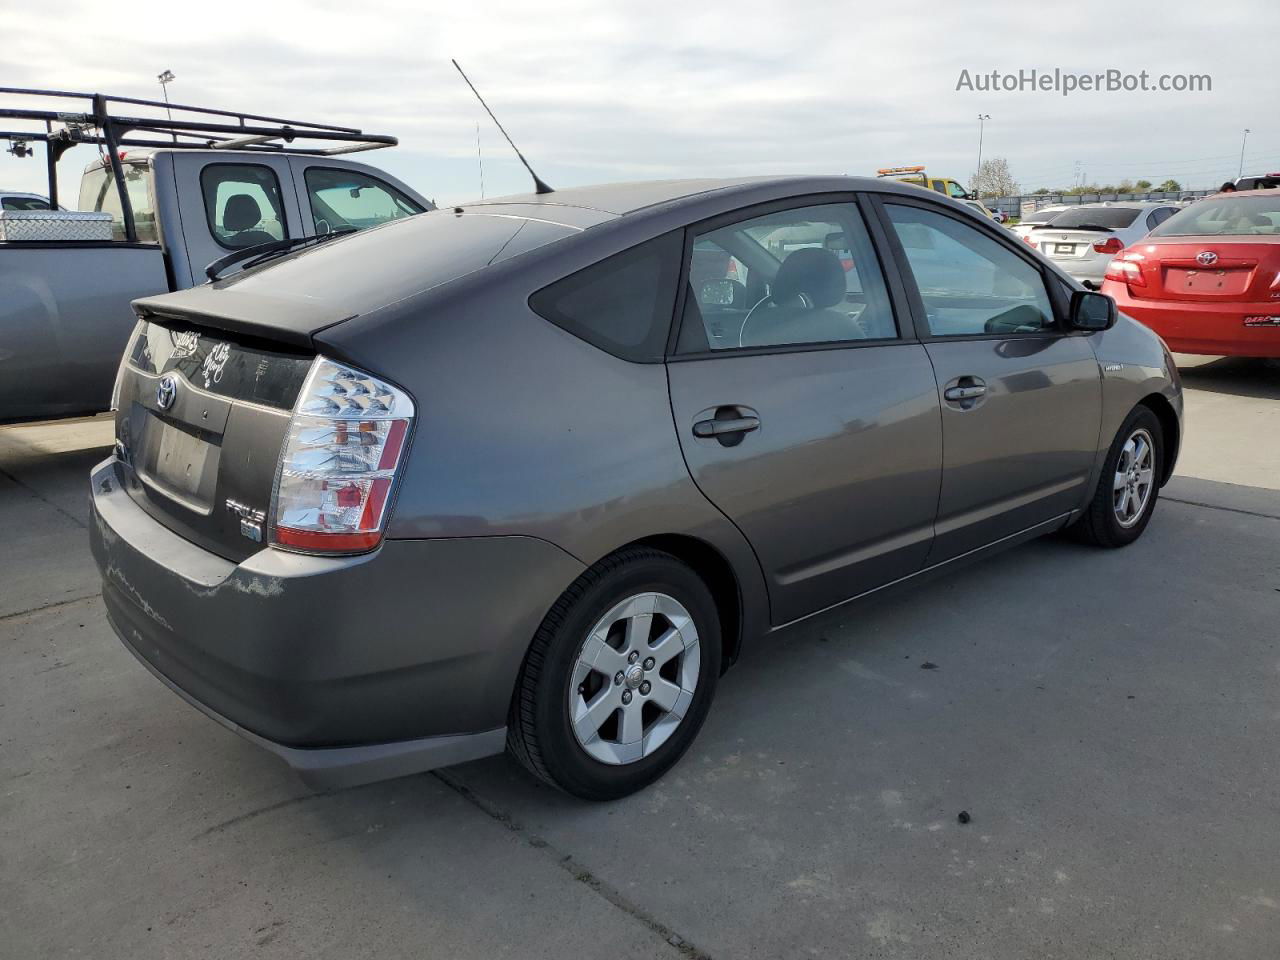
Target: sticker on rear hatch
x=1262, y=321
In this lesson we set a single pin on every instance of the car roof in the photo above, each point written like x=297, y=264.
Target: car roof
x=621, y=199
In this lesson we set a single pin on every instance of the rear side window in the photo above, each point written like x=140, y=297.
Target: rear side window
x=623, y=304
x=242, y=204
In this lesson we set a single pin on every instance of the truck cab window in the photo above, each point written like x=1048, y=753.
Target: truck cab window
x=98, y=194
x=242, y=204
x=342, y=199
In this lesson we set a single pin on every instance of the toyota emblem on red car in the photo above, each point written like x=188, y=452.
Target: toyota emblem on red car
x=1206, y=258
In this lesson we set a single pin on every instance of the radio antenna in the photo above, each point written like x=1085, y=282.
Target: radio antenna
x=538, y=185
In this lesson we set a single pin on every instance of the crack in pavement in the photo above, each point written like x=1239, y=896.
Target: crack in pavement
x=50, y=606
x=578, y=871
x=35, y=493
x=1215, y=506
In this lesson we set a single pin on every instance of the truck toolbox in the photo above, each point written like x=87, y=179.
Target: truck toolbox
x=54, y=225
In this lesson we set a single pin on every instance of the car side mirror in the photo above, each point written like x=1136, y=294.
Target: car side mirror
x=1091, y=311
x=719, y=293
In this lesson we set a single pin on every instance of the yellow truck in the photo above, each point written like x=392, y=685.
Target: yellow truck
x=918, y=176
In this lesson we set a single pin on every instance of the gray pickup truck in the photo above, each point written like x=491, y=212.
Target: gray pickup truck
x=169, y=203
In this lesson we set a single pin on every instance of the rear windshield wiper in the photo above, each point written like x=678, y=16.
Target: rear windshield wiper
x=262, y=252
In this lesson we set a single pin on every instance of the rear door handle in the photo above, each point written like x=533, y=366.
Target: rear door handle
x=971, y=392
x=718, y=428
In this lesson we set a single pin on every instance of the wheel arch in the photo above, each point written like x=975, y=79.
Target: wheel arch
x=717, y=572
x=1170, y=429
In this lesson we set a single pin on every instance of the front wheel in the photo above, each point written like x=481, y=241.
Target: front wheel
x=619, y=677
x=1127, y=490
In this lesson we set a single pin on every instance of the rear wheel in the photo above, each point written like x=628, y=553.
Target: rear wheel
x=1129, y=485
x=619, y=677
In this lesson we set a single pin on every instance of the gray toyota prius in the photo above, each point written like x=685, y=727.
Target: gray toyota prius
x=526, y=473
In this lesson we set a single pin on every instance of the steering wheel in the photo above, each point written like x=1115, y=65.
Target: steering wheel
x=743, y=329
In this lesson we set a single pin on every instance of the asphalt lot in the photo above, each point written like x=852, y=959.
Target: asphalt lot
x=1108, y=719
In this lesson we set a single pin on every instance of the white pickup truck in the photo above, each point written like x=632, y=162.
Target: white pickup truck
x=168, y=204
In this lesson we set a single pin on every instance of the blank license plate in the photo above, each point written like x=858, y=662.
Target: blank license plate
x=180, y=459
x=1069, y=249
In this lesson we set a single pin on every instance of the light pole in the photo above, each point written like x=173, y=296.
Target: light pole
x=165, y=79
x=1243, y=141
x=977, y=182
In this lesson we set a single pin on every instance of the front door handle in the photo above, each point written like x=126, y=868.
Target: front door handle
x=970, y=392
x=719, y=428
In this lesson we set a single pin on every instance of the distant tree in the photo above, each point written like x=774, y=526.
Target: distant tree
x=993, y=179
x=1041, y=191
x=1125, y=186
x=1142, y=185
x=1169, y=186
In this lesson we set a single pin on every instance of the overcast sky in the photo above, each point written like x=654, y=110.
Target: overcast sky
x=599, y=91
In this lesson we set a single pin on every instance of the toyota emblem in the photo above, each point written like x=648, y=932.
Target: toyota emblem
x=1206, y=259
x=166, y=391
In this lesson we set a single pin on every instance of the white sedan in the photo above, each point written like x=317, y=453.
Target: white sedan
x=1083, y=239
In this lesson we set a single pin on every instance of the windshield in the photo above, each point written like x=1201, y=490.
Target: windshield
x=1109, y=218
x=1235, y=215
x=24, y=203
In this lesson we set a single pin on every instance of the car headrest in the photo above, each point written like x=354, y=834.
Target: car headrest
x=242, y=213
x=814, y=272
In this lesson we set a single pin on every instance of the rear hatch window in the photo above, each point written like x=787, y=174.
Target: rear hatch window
x=1238, y=216
x=376, y=267
x=1095, y=218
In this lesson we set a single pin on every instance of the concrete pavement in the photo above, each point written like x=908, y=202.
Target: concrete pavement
x=1108, y=720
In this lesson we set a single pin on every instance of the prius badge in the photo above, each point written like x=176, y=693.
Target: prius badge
x=166, y=391
x=250, y=519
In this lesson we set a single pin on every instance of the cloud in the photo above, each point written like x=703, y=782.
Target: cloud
x=595, y=91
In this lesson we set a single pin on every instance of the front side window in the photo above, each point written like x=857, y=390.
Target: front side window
x=807, y=275
x=242, y=204
x=970, y=283
x=954, y=189
x=623, y=304
x=345, y=200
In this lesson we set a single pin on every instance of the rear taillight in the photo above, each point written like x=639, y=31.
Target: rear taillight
x=1126, y=270
x=1029, y=242
x=339, y=463
x=1109, y=245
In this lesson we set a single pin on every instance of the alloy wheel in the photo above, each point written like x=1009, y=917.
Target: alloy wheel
x=1134, y=479
x=634, y=678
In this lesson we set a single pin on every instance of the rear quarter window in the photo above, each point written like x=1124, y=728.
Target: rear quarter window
x=623, y=304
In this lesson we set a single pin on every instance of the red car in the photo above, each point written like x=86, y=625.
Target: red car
x=1208, y=278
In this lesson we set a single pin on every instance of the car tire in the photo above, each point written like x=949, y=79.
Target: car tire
x=592, y=673
x=1128, y=488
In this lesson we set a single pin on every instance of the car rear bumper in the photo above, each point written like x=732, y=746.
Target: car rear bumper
x=1089, y=270
x=1216, y=329
x=350, y=668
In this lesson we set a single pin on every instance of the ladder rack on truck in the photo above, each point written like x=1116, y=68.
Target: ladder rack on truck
x=96, y=121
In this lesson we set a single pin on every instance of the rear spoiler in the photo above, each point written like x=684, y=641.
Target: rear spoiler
x=273, y=320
